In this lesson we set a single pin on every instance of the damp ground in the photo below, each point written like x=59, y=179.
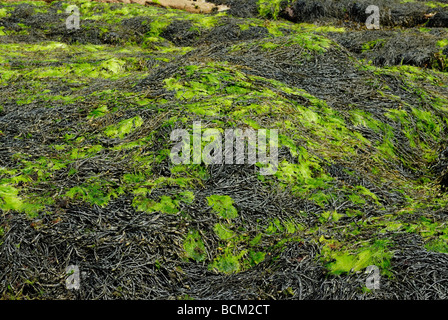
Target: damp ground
x=86, y=177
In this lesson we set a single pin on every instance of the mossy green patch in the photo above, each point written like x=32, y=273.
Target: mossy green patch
x=374, y=44
x=167, y=204
x=256, y=257
x=312, y=42
x=303, y=176
x=228, y=262
x=95, y=192
x=377, y=254
x=10, y=200
x=442, y=43
x=223, y=232
x=124, y=127
x=3, y=12
x=330, y=215
x=194, y=246
x=436, y=4
x=223, y=206
x=269, y=8
x=437, y=246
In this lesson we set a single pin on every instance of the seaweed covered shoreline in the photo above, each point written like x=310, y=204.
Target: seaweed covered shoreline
x=86, y=178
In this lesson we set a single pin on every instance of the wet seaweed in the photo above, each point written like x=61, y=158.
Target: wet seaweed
x=86, y=178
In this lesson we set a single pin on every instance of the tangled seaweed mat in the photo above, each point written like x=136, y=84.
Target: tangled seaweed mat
x=86, y=179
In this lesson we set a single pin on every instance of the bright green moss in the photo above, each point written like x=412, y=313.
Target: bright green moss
x=223, y=206
x=10, y=198
x=435, y=4
x=329, y=216
x=319, y=29
x=378, y=254
x=303, y=176
x=194, y=246
x=269, y=8
x=442, y=43
x=437, y=246
x=374, y=44
x=274, y=226
x=362, y=118
x=205, y=21
x=158, y=26
x=228, y=262
x=312, y=42
x=223, y=232
x=428, y=122
x=98, y=112
x=124, y=127
x=167, y=204
x=95, y=192
x=3, y=12
x=256, y=257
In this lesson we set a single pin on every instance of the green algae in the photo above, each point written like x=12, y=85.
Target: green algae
x=228, y=262
x=315, y=134
x=435, y=4
x=124, y=127
x=269, y=8
x=223, y=206
x=378, y=253
x=95, y=192
x=166, y=204
x=374, y=44
x=10, y=200
x=437, y=246
x=223, y=232
x=313, y=42
x=3, y=12
x=194, y=246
